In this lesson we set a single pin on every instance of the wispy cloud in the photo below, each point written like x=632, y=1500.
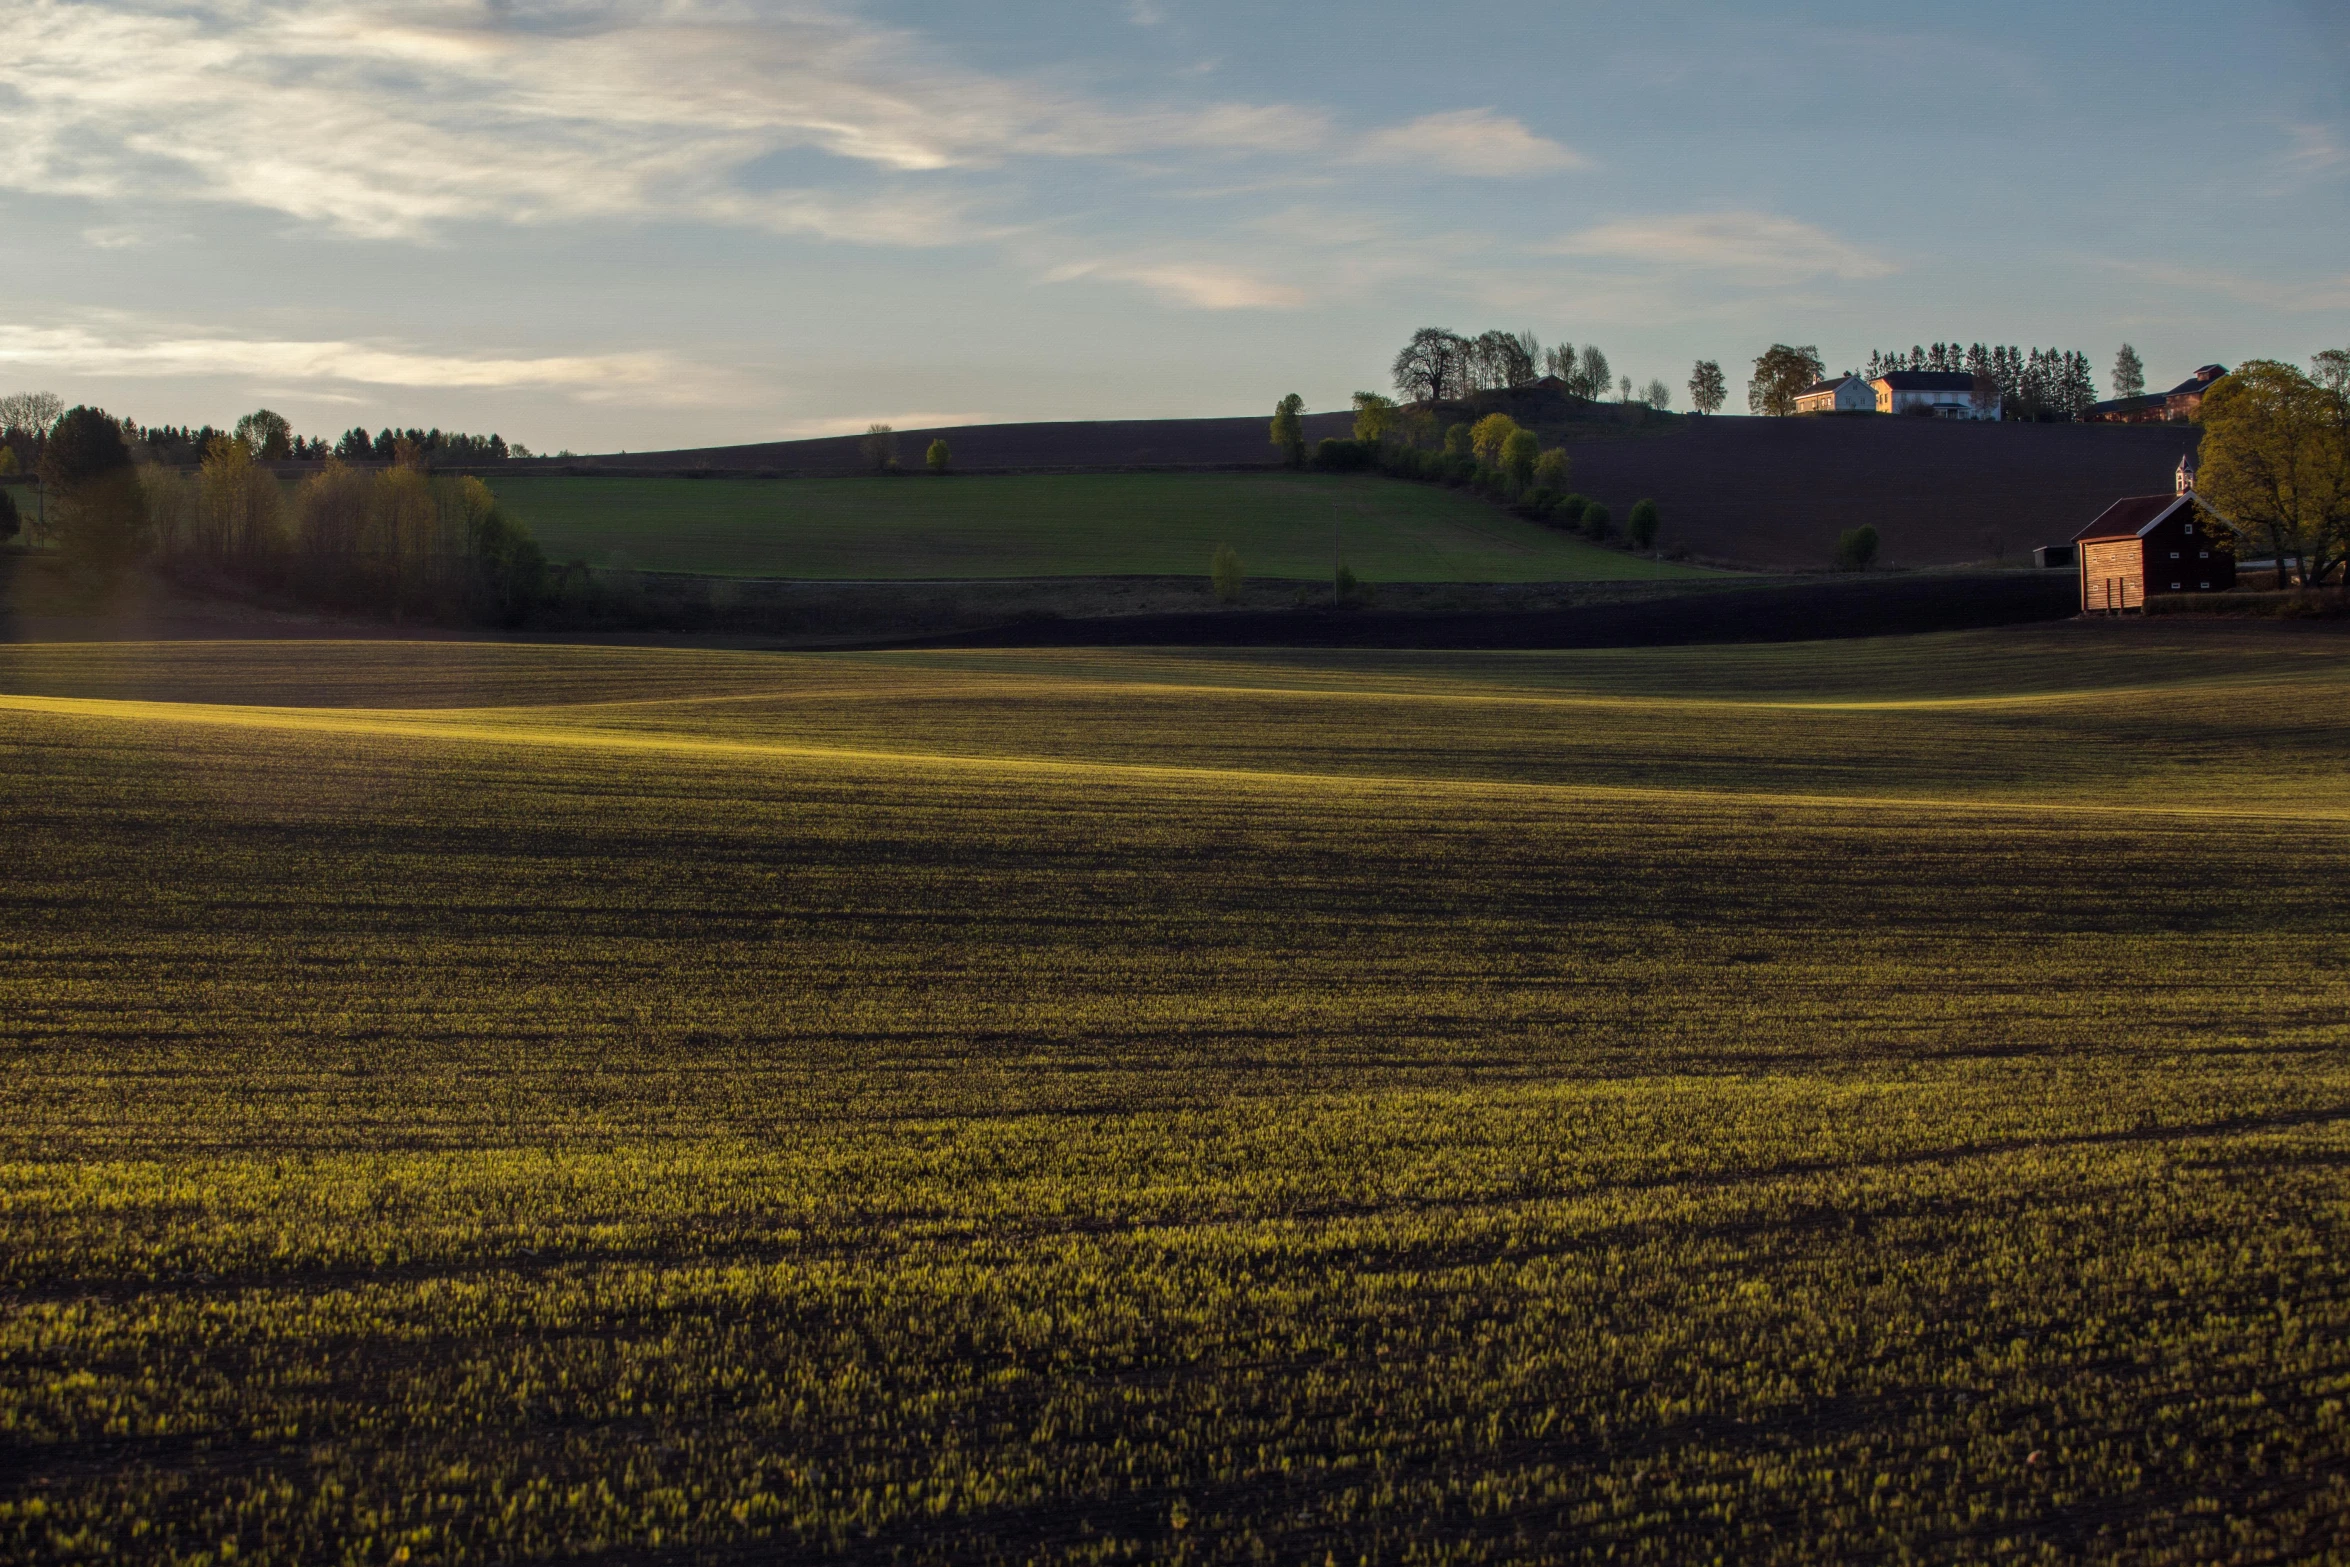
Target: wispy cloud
x=136, y=349
x=1472, y=142
x=1197, y=284
x=389, y=121
x=1757, y=245
x=2313, y=151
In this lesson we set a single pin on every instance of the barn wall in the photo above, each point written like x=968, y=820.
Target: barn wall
x=2113, y=576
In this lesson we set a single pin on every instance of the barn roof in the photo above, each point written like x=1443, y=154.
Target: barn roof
x=2131, y=517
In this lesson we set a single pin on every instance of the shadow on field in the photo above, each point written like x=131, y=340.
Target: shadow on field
x=1797, y=612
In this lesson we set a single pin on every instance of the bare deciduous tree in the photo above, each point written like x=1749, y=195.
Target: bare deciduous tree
x=1431, y=366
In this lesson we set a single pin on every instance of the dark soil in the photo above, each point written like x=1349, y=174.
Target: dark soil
x=1793, y=612
x=1766, y=493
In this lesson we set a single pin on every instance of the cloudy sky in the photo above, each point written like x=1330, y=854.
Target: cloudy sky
x=635, y=226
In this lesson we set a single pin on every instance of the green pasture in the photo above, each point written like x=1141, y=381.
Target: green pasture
x=1074, y=525
x=465, y=1102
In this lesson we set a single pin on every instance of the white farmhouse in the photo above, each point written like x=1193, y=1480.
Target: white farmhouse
x=1941, y=394
x=1842, y=394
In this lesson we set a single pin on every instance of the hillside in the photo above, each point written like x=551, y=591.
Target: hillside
x=1769, y=493
x=1077, y=525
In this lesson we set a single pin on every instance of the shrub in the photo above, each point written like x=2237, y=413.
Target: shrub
x=1456, y=441
x=1345, y=456
x=1551, y=469
x=1571, y=509
x=937, y=458
x=1224, y=573
x=1642, y=525
x=1597, y=522
x=1856, y=548
x=9, y=524
x=1347, y=583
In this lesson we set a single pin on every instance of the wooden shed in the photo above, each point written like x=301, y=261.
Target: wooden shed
x=2150, y=545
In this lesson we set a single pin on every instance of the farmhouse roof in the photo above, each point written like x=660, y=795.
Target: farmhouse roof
x=2131, y=517
x=2198, y=381
x=1829, y=385
x=1926, y=381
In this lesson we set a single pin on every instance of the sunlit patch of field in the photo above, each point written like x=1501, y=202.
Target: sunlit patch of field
x=1885, y=1100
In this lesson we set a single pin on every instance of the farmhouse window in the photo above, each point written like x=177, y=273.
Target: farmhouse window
x=2203, y=584
x=2174, y=554
x=2203, y=554
x=2174, y=587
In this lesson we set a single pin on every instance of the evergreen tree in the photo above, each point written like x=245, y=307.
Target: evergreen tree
x=2129, y=373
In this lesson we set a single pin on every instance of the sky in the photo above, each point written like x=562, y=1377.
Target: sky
x=607, y=227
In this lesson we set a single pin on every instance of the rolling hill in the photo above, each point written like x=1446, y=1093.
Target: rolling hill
x=1770, y=493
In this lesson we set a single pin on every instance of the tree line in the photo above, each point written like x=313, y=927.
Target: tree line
x=26, y=419
x=1495, y=456
x=2041, y=384
x=393, y=538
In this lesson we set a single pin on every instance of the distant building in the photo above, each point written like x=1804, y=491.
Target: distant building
x=2176, y=406
x=1944, y=394
x=2152, y=545
x=1839, y=394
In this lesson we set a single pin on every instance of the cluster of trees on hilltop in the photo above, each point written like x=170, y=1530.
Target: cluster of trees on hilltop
x=393, y=538
x=2038, y=383
x=1440, y=366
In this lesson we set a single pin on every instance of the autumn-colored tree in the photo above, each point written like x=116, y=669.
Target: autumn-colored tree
x=1779, y=374
x=1487, y=435
x=1551, y=470
x=1374, y=417
x=242, y=509
x=2276, y=461
x=938, y=457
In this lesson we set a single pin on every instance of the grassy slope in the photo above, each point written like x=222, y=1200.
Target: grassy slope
x=1056, y=526
x=509, y=1101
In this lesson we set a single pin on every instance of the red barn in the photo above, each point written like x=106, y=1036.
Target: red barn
x=2152, y=544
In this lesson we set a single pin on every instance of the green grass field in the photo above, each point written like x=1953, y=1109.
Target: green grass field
x=1872, y=1101
x=1076, y=525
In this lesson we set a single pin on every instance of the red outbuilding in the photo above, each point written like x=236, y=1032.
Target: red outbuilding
x=2152, y=545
